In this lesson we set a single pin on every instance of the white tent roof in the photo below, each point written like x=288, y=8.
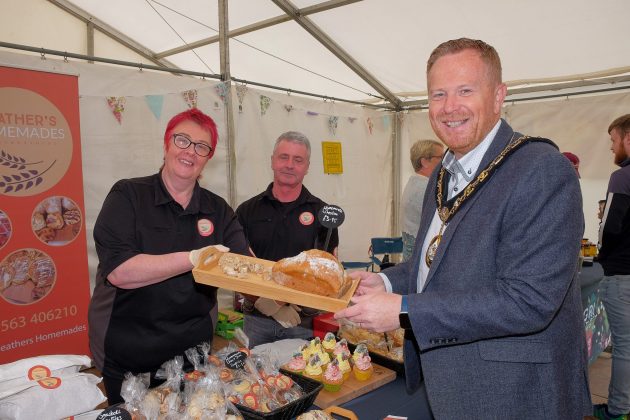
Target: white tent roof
x=388, y=42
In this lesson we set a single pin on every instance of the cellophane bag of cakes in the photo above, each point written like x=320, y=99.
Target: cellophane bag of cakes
x=133, y=390
x=165, y=401
x=203, y=399
x=388, y=344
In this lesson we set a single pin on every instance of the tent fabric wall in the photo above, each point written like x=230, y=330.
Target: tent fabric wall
x=133, y=147
x=576, y=124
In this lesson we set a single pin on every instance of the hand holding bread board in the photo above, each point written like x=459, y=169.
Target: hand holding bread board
x=312, y=278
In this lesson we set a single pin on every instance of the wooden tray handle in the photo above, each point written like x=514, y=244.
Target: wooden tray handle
x=335, y=409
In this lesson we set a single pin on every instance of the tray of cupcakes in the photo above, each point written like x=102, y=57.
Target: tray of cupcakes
x=344, y=374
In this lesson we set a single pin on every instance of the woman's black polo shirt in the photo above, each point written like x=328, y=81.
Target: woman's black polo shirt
x=137, y=330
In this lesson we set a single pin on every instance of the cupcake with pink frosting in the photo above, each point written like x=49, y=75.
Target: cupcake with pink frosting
x=296, y=364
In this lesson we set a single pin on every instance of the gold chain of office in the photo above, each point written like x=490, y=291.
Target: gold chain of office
x=446, y=213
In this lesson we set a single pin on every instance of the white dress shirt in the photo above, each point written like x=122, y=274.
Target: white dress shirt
x=461, y=173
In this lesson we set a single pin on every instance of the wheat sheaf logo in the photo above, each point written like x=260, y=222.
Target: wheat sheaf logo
x=21, y=177
x=36, y=144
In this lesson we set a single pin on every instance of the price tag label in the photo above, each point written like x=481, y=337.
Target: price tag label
x=235, y=360
x=114, y=413
x=331, y=216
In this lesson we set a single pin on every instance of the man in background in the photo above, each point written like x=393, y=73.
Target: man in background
x=614, y=256
x=424, y=156
x=281, y=222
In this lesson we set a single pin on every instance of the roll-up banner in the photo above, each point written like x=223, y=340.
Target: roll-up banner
x=44, y=280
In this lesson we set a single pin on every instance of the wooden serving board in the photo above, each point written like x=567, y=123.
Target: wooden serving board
x=254, y=284
x=353, y=388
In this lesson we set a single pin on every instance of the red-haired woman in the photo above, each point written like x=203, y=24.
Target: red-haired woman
x=146, y=307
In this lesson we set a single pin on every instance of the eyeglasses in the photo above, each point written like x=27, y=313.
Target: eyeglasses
x=183, y=142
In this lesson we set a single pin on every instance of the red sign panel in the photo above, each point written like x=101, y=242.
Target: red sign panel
x=44, y=280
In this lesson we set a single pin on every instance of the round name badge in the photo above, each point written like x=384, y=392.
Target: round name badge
x=307, y=218
x=205, y=227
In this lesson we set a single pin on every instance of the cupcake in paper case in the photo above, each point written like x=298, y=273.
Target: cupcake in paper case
x=344, y=365
x=359, y=351
x=313, y=368
x=342, y=348
x=363, y=367
x=324, y=357
x=329, y=343
x=296, y=364
x=333, y=377
x=315, y=346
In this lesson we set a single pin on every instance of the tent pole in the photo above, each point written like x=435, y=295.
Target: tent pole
x=224, y=50
x=396, y=173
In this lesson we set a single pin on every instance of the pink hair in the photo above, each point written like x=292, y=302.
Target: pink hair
x=199, y=118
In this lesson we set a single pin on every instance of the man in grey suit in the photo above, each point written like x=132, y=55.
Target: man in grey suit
x=490, y=299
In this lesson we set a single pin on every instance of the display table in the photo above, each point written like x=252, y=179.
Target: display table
x=393, y=399
x=595, y=321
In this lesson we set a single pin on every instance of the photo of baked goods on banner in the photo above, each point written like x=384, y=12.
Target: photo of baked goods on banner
x=313, y=278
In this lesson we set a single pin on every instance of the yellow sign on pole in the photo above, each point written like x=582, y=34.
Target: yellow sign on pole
x=331, y=153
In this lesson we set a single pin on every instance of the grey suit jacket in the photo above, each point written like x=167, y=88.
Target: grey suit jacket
x=498, y=329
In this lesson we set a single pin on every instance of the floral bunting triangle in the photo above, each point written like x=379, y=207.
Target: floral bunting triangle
x=241, y=91
x=370, y=125
x=386, y=121
x=190, y=96
x=332, y=124
x=221, y=90
x=155, y=103
x=265, y=101
x=352, y=119
x=288, y=108
x=117, y=106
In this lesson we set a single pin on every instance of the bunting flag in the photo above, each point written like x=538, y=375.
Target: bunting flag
x=221, y=90
x=155, y=103
x=386, y=121
x=265, y=101
x=241, y=91
x=370, y=125
x=289, y=108
x=352, y=119
x=190, y=96
x=117, y=105
x=332, y=124
x=311, y=113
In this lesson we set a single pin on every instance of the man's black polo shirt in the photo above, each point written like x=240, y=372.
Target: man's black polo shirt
x=278, y=230
x=138, y=329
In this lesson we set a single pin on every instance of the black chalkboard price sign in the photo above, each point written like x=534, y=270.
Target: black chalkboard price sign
x=331, y=217
x=114, y=413
x=235, y=360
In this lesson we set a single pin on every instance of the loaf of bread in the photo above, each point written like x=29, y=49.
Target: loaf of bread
x=312, y=271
